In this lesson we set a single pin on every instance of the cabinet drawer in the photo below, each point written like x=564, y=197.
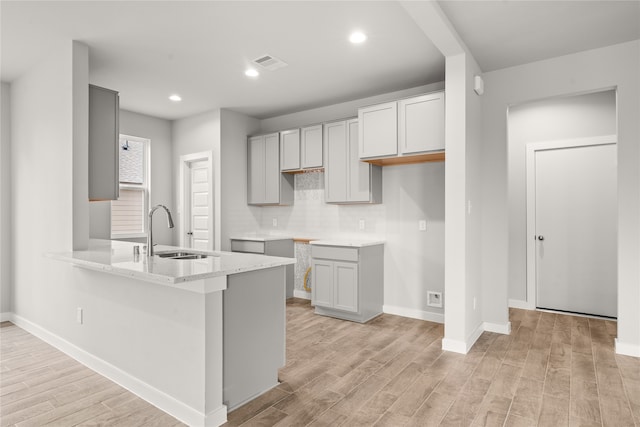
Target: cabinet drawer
x=334, y=252
x=247, y=246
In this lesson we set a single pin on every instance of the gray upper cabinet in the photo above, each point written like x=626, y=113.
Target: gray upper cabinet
x=311, y=147
x=407, y=127
x=335, y=170
x=290, y=150
x=421, y=123
x=104, y=112
x=266, y=185
x=347, y=179
x=379, y=130
x=301, y=149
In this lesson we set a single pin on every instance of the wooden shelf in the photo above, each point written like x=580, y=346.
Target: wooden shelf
x=407, y=160
x=302, y=240
x=297, y=171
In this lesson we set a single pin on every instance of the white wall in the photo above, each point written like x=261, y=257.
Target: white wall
x=42, y=188
x=80, y=145
x=119, y=334
x=5, y=200
x=414, y=260
x=615, y=66
x=236, y=216
x=343, y=110
x=224, y=133
x=191, y=135
x=477, y=319
x=565, y=117
x=464, y=314
x=159, y=132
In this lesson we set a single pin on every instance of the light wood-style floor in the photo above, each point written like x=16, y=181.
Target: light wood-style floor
x=553, y=370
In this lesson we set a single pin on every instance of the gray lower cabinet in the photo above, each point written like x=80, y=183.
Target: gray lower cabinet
x=347, y=281
x=266, y=185
x=104, y=134
x=254, y=330
x=282, y=247
x=347, y=179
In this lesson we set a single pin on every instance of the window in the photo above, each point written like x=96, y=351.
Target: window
x=128, y=213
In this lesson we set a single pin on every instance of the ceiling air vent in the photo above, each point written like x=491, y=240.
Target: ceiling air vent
x=269, y=62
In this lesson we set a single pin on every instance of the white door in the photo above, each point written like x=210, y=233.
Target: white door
x=576, y=229
x=197, y=205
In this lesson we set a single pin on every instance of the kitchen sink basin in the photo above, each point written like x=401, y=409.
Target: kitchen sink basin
x=181, y=255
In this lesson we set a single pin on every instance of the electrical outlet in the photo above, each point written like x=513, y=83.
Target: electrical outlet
x=434, y=299
x=274, y=222
x=79, y=315
x=422, y=225
x=361, y=224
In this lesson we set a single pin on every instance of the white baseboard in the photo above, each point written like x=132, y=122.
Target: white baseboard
x=471, y=339
x=627, y=349
x=455, y=346
x=500, y=328
x=413, y=314
x=217, y=417
x=6, y=317
x=524, y=305
x=463, y=347
x=299, y=293
x=157, y=398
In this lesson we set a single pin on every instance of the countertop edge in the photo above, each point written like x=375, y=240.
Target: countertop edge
x=346, y=243
x=190, y=282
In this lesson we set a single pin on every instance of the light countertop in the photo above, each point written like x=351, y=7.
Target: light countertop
x=260, y=237
x=347, y=243
x=116, y=257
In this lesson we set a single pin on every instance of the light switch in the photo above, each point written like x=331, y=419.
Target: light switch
x=422, y=225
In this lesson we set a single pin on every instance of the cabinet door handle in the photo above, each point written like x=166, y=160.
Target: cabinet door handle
x=189, y=233
x=541, y=238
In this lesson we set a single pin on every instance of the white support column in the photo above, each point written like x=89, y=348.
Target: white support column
x=462, y=313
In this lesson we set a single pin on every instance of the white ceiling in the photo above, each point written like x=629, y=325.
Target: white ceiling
x=148, y=50
x=503, y=34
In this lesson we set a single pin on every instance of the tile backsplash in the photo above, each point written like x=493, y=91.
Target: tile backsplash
x=310, y=216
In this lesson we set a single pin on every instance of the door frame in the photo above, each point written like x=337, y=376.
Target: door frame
x=531, y=150
x=183, y=187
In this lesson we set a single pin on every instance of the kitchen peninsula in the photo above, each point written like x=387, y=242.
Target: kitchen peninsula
x=194, y=336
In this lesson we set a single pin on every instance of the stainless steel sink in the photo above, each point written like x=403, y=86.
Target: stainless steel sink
x=181, y=255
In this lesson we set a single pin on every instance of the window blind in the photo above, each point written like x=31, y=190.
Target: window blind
x=127, y=213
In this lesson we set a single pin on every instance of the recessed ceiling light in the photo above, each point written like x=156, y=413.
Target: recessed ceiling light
x=175, y=98
x=251, y=72
x=357, y=37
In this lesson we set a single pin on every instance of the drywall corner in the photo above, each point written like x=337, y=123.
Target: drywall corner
x=6, y=305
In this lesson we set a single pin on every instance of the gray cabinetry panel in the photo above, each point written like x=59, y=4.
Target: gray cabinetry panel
x=104, y=133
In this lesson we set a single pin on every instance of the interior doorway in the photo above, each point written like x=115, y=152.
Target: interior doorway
x=196, y=201
x=572, y=225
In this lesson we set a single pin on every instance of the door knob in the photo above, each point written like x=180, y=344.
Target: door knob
x=541, y=238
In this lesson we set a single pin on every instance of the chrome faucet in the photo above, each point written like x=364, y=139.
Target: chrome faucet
x=150, y=230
